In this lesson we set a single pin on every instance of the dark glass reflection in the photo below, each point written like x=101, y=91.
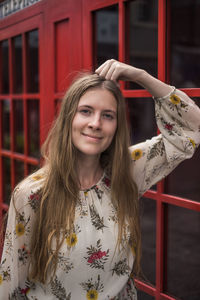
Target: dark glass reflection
x=142, y=33
x=148, y=228
x=32, y=61
x=184, y=43
x=5, y=124
x=4, y=68
x=184, y=181
x=18, y=126
x=183, y=262
x=144, y=296
x=17, y=64
x=106, y=34
x=33, y=128
x=32, y=169
x=142, y=120
x=19, y=171
x=6, y=180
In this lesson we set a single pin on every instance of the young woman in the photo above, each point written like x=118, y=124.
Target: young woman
x=73, y=226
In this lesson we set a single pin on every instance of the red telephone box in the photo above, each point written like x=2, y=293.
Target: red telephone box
x=43, y=46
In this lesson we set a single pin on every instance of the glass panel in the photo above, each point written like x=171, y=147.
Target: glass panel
x=18, y=126
x=142, y=121
x=184, y=180
x=4, y=68
x=148, y=227
x=183, y=253
x=33, y=128
x=144, y=296
x=17, y=64
x=6, y=180
x=184, y=43
x=19, y=171
x=142, y=36
x=32, y=169
x=32, y=62
x=106, y=34
x=5, y=124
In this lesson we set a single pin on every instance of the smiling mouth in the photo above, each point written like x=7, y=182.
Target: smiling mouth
x=92, y=136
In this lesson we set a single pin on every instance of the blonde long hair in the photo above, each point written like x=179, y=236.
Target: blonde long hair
x=60, y=190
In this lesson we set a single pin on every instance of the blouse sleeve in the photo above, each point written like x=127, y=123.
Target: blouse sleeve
x=178, y=119
x=15, y=259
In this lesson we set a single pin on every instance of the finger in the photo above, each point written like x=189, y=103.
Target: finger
x=110, y=71
x=105, y=64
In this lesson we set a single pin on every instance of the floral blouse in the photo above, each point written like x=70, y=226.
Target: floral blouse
x=88, y=265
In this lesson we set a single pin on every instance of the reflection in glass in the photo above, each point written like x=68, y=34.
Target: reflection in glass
x=4, y=68
x=6, y=180
x=32, y=168
x=184, y=43
x=183, y=253
x=148, y=228
x=33, y=128
x=18, y=126
x=19, y=171
x=106, y=34
x=142, y=33
x=5, y=124
x=32, y=62
x=17, y=64
x=142, y=120
x=144, y=296
x=184, y=180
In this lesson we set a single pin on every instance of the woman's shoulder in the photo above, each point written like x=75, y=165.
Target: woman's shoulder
x=28, y=191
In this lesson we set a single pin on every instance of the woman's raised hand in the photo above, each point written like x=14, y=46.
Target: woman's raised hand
x=115, y=70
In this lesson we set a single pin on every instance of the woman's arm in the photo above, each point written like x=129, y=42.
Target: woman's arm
x=115, y=71
x=178, y=119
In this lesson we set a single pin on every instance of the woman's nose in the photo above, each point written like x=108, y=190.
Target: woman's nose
x=95, y=122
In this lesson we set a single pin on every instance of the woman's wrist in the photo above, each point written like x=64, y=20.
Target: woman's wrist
x=154, y=86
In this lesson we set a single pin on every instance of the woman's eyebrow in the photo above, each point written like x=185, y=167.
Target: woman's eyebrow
x=104, y=110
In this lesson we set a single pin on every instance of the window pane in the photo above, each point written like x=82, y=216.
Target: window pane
x=5, y=124
x=18, y=126
x=32, y=62
x=33, y=128
x=6, y=180
x=17, y=64
x=142, y=32
x=148, y=227
x=106, y=34
x=184, y=180
x=4, y=68
x=184, y=43
x=183, y=265
x=142, y=120
x=144, y=296
x=19, y=171
x=32, y=169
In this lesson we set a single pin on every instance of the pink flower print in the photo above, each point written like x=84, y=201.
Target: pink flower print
x=35, y=197
x=25, y=291
x=168, y=126
x=107, y=181
x=96, y=255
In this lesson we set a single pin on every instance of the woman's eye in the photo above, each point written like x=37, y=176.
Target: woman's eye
x=85, y=111
x=108, y=116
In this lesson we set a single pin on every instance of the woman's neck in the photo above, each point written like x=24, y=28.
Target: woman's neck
x=89, y=171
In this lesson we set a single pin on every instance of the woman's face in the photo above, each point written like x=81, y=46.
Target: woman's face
x=95, y=122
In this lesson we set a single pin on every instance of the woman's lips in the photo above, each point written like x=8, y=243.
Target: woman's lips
x=92, y=137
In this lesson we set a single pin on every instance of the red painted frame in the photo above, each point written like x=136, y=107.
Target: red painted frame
x=43, y=16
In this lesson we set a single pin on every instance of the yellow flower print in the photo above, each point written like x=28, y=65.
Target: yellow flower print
x=192, y=142
x=1, y=279
x=37, y=177
x=92, y=294
x=86, y=194
x=137, y=154
x=175, y=99
x=71, y=240
x=20, y=229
